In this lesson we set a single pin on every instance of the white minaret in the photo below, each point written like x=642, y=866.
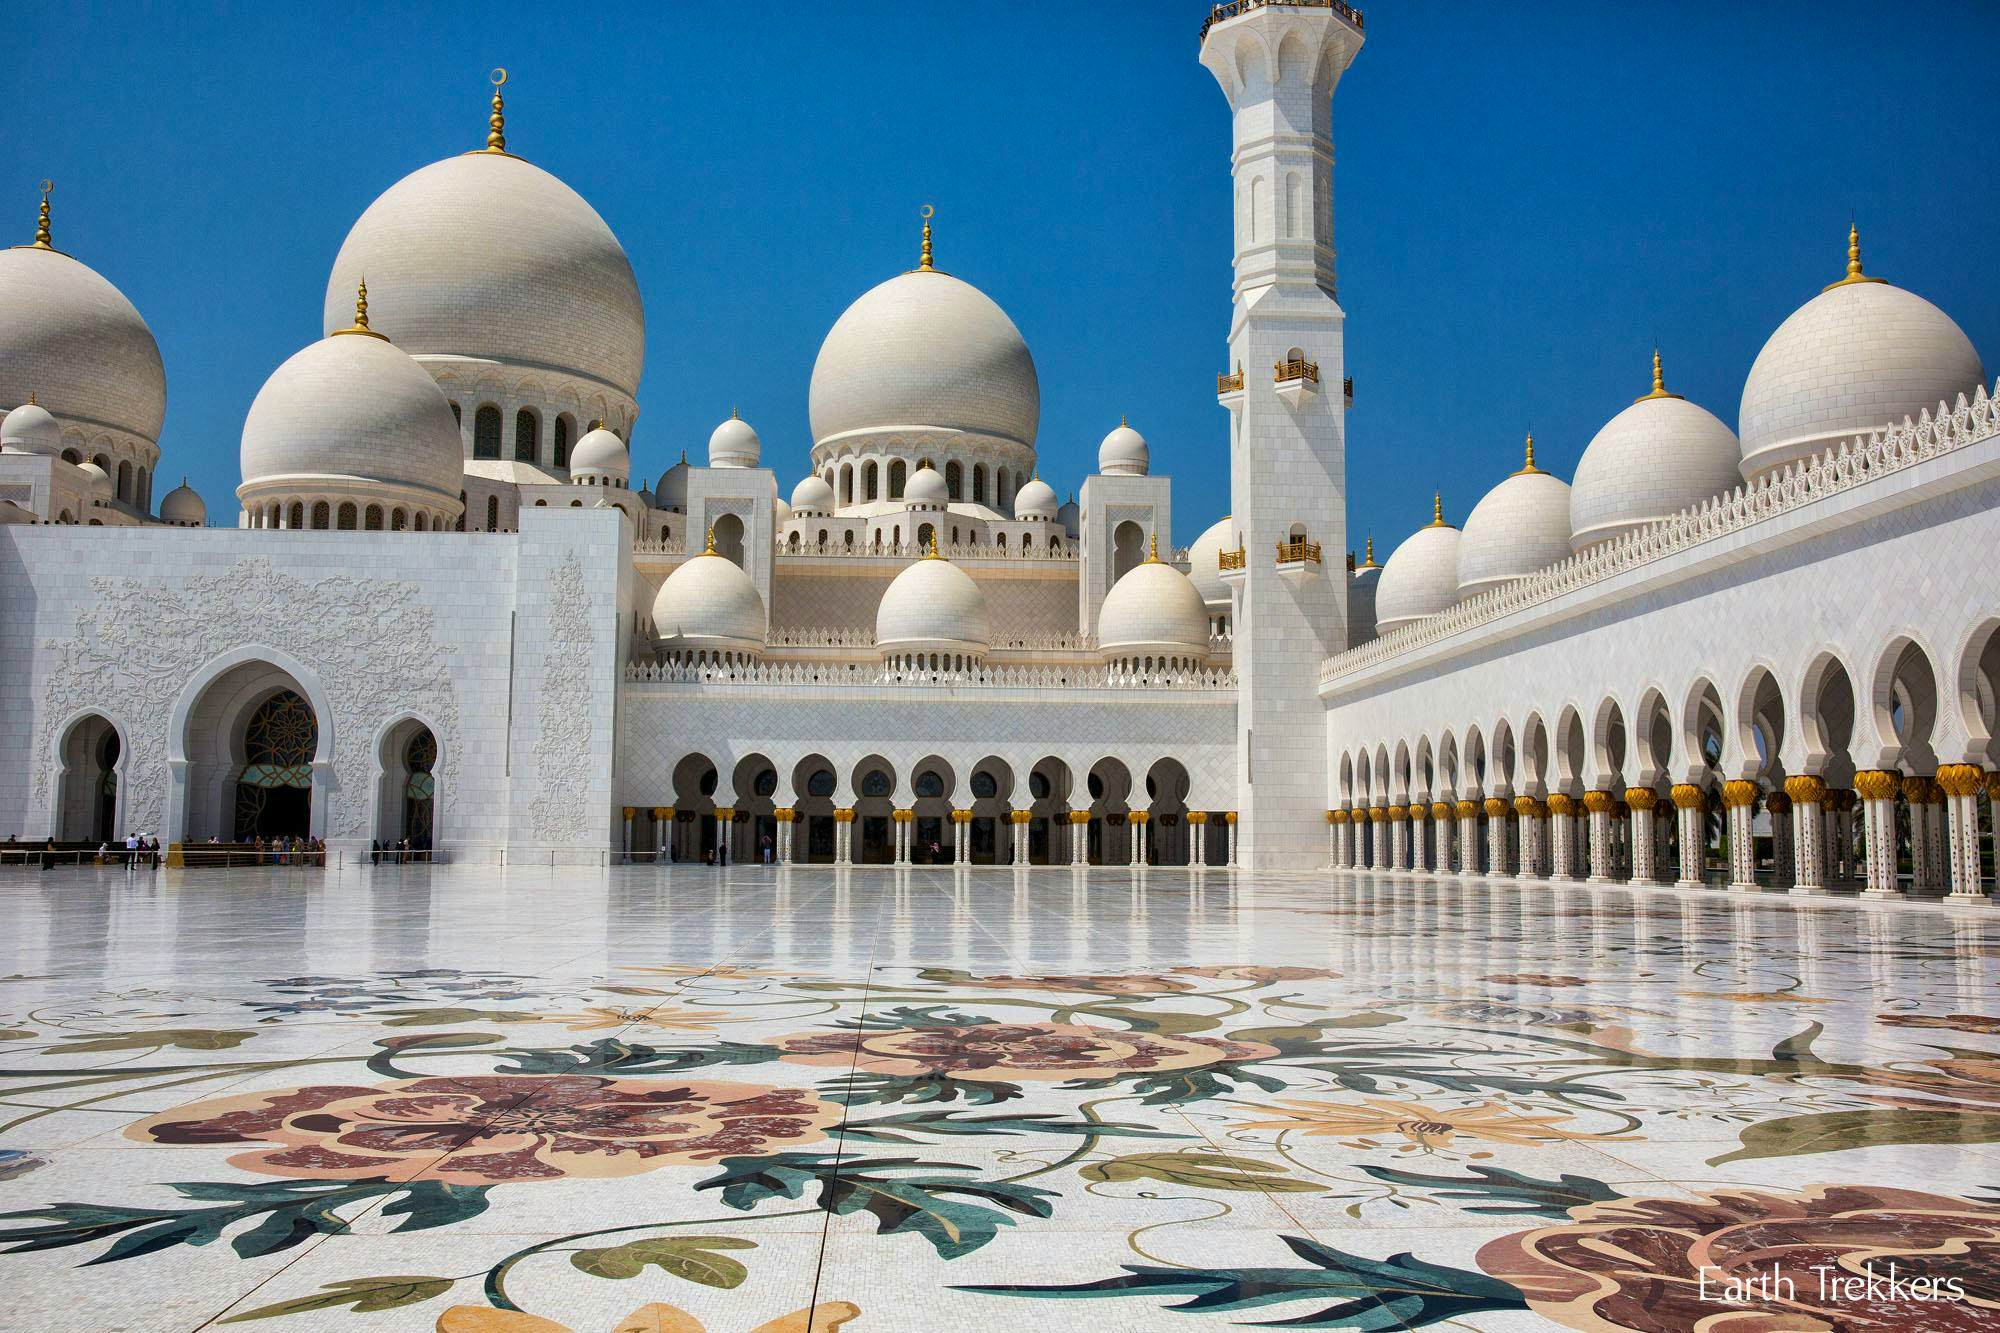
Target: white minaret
x=1278, y=63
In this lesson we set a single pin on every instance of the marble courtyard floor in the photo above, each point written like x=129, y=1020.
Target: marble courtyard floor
x=494, y=1101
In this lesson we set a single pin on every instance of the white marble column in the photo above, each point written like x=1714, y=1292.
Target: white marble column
x=1809, y=868
x=630, y=813
x=1079, y=837
x=1529, y=814
x=1597, y=806
x=1419, y=844
x=1399, y=837
x=1562, y=835
x=1197, y=838
x=1443, y=824
x=1642, y=802
x=1928, y=871
x=1784, y=863
x=843, y=837
x=1468, y=837
x=1332, y=840
x=1962, y=784
x=1229, y=819
x=961, y=837
x=1690, y=805
x=787, y=821
x=1877, y=789
x=1739, y=804
x=1498, y=812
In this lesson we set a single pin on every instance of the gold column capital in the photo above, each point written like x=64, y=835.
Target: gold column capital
x=1736, y=792
x=630, y=811
x=1687, y=796
x=1392, y=814
x=1079, y=816
x=1877, y=784
x=1961, y=779
x=1529, y=808
x=1922, y=791
x=1229, y=817
x=1466, y=809
x=1641, y=798
x=843, y=816
x=1197, y=816
x=1598, y=802
x=663, y=812
x=1020, y=816
x=1418, y=812
x=1778, y=803
x=1561, y=803
x=1495, y=807
x=1336, y=816
x=784, y=814
x=1441, y=809
x=1137, y=816
x=1805, y=787
x=724, y=813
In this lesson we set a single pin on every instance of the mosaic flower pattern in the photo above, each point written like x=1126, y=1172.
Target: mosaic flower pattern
x=1015, y=1052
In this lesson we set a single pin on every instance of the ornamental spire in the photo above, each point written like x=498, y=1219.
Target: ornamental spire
x=934, y=550
x=496, y=124
x=360, y=324
x=42, y=239
x=1369, y=557
x=1153, y=548
x=1437, y=509
x=710, y=548
x=1659, y=382
x=924, y=256
x=1854, y=273
x=1529, y=467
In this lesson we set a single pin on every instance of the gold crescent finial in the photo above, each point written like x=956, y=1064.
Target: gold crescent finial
x=924, y=256
x=1529, y=465
x=1854, y=273
x=934, y=550
x=31, y=399
x=1370, y=557
x=710, y=550
x=42, y=239
x=1659, y=382
x=1153, y=548
x=1437, y=509
x=496, y=124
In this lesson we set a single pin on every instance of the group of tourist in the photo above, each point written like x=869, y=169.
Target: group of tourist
x=396, y=853
x=292, y=851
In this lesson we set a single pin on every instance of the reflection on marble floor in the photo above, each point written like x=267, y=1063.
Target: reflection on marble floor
x=658, y=1099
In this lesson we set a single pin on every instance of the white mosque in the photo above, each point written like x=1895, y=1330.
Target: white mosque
x=446, y=607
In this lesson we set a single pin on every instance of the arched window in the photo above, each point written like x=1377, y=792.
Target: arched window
x=924, y=534
x=1027, y=540
x=398, y=521
x=493, y=513
x=1003, y=491
x=372, y=520
x=848, y=539
x=896, y=535
x=897, y=474
x=486, y=432
x=461, y=511
x=979, y=483
x=347, y=517
x=541, y=504
x=125, y=482
x=559, y=455
x=868, y=479
x=297, y=517
x=1055, y=543
x=527, y=437
x=846, y=484
x=458, y=414
x=422, y=526
x=954, y=480
x=72, y=457
x=1001, y=541
x=729, y=538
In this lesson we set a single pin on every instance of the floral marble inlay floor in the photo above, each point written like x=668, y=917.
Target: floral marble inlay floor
x=648, y=1099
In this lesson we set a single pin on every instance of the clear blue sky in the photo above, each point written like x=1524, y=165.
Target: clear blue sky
x=1527, y=196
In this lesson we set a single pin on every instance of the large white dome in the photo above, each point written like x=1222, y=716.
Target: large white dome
x=709, y=603
x=73, y=341
x=925, y=351
x=485, y=255
x=1659, y=456
x=1421, y=578
x=1859, y=356
x=1519, y=527
x=1205, y=564
x=1154, y=611
x=933, y=606
x=353, y=407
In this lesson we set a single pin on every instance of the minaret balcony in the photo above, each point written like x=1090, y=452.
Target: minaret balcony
x=1232, y=566
x=1229, y=389
x=1298, y=560
x=1297, y=380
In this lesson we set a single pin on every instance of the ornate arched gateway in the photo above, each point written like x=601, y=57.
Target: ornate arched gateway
x=274, y=790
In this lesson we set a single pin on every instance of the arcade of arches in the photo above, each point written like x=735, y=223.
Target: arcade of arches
x=1840, y=787
x=940, y=812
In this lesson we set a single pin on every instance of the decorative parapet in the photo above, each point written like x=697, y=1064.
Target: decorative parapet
x=1297, y=368
x=1227, y=560
x=1230, y=383
x=823, y=674
x=957, y=551
x=1854, y=463
x=660, y=546
x=1232, y=8
x=1298, y=552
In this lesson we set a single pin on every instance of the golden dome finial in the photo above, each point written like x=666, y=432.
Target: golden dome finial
x=1368, y=554
x=1854, y=273
x=1437, y=509
x=710, y=548
x=934, y=550
x=1528, y=466
x=360, y=324
x=42, y=238
x=31, y=399
x=924, y=256
x=1659, y=382
x=496, y=124
x=1153, y=548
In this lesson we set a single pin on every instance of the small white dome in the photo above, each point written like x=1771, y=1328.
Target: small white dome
x=95, y=477
x=1205, y=563
x=926, y=487
x=1659, y=456
x=925, y=350
x=812, y=495
x=1421, y=578
x=1521, y=526
x=1123, y=453
x=352, y=406
x=183, y=508
x=672, y=492
x=1037, y=499
x=781, y=513
x=709, y=603
x=600, y=453
x=734, y=444
x=933, y=606
x=73, y=341
x=486, y=255
x=29, y=429
x=1860, y=356
x=1154, y=611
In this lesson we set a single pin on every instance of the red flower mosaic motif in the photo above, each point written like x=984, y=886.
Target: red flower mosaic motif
x=494, y=1129
x=1263, y=976
x=1014, y=1052
x=1138, y=983
x=1715, y=1262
